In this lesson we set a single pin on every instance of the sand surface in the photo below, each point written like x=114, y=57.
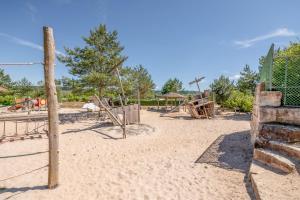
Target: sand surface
x=156, y=161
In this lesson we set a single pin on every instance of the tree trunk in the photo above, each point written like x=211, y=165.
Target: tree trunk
x=100, y=90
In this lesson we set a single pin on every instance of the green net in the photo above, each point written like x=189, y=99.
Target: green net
x=282, y=73
x=286, y=78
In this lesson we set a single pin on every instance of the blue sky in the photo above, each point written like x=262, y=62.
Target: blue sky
x=171, y=38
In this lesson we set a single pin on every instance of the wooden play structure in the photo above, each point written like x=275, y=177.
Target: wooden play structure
x=170, y=96
x=120, y=116
x=37, y=125
x=125, y=114
x=199, y=107
x=28, y=104
x=32, y=126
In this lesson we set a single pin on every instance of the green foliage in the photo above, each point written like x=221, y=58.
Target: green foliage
x=5, y=79
x=74, y=98
x=222, y=87
x=239, y=100
x=285, y=73
x=94, y=62
x=6, y=100
x=23, y=87
x=172, y=85
x=153, y=102
x=137, y=79
x=247, y=81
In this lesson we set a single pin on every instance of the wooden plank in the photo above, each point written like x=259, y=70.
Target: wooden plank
x=24, y=117
x=110, y=114
x=139, y=107
x=177, y=107
x=50, y=87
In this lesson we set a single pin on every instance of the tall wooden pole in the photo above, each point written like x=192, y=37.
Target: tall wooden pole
x=139, y=106
x=121, y=85
x=53, y=120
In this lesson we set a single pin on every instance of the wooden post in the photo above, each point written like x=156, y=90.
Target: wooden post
x=53, y=120
x=139, y=107
x=122, y=89
x=124, y=124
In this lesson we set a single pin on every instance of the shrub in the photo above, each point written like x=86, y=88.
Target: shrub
x=239, y=100
x=6, y=100
x=152, y=102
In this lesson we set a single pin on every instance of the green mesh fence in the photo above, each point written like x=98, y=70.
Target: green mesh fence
x=282, y=73
x=286, y=78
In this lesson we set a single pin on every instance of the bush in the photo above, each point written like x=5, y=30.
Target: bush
x=74, y=98
x=240, y=100
x=6, y=100
x=152, y=102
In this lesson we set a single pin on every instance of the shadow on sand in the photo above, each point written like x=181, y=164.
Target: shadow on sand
x=231, y=152
x=20, y=190
x=130, y=130
x=236, y=116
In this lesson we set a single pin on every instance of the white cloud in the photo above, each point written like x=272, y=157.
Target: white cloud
x=235, y=77
x=282, y=32
x=32, y=10
x=27, y=43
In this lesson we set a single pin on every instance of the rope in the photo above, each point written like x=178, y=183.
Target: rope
x=24, y=173
x=19, y=64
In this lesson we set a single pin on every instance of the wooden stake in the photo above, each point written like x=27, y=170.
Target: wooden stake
x=124, y=124
x=139, y=107
x=53, y=120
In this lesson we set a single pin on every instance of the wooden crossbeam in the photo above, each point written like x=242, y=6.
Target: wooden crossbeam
x=197, y=81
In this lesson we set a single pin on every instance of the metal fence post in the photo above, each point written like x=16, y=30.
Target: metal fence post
x=285, y=81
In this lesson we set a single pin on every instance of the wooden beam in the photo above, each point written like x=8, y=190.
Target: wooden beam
x=53, y=120
x=19, y=64
x=23, y=118
x=118, y=64
x=111, y=115
x=139, y=106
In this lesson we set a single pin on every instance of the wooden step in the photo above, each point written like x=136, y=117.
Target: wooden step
x=275, y=131
x=285, y=115
x=269, y=185
x=291, y=150
x=274, y=160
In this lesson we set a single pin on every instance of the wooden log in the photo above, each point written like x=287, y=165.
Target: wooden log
x=110, y=114
x=124, y=124
x=24, y=117
x=53, y=119
x=139, y=107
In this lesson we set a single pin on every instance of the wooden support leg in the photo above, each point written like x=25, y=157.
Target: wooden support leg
x=124, y=124
x=16, y=133
x=53, y=120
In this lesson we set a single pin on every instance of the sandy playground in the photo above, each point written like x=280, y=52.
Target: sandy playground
x=160, y=159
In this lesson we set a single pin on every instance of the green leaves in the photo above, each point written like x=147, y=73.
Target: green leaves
x=247, y=81
x=5, y=79
x=239, y=100
x=138, y=78
x=172, y=85
x=94, y=62
x=222, y=87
